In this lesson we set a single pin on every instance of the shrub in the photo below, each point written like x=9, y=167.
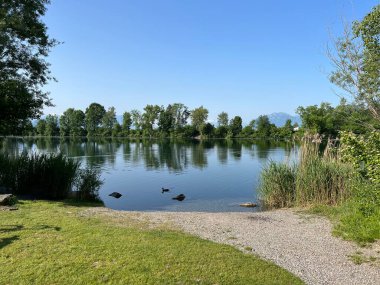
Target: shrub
x=363, y=152
x=87, y=184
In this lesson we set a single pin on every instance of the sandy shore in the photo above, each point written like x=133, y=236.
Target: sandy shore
x=301, y=243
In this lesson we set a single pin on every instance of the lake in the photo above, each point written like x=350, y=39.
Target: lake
x=214, y=175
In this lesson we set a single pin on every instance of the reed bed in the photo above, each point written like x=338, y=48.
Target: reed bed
x=47, y=176
x=319, y=177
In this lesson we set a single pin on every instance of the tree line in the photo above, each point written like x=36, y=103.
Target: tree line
x=174, y=120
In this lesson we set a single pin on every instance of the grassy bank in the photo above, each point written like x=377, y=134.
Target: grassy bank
x=53, y=243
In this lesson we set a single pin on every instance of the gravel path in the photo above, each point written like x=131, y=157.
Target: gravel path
x=300, y=243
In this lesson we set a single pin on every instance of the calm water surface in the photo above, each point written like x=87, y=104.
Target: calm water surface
x=215, y=175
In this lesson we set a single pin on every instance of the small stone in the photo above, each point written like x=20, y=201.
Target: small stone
x=248, y=205
x=7, y=200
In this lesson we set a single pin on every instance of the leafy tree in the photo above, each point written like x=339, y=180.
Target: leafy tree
x=236, y=126
x=287, y=130
x=41, y=127
x=117, y=130
x=207, y=129
x=72, y=123
x=320, y=120
x=149, y=117
x=127, y=122
x=136, y=119
x=181, y=114
x=357, y=62
x=199, y=117
x=108, y=121
x=93, y=116
x=166, y=120
x=51, y=128
x=263, y=127
x=24, y=46
x=223, y=119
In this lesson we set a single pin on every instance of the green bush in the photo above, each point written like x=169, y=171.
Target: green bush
x=360, y=216
x=87, y=184
x=363, y=152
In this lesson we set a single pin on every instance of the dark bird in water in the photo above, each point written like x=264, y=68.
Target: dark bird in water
x=116, y=195
x=164, y=190
x=180, y=197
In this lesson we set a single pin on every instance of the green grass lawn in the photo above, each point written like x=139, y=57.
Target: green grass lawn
x=52, y=243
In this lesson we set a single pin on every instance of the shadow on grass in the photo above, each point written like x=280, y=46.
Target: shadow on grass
x=77, y=203
x=14, y=228
x=7, y=241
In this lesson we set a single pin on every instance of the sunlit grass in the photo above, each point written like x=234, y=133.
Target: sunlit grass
x=54, y=243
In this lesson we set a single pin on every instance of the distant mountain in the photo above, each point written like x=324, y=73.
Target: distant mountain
x=279, y=119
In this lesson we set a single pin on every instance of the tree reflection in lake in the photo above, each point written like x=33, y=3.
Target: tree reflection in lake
x=215, y=175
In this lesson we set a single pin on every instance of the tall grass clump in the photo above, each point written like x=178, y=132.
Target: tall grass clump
x=46, y=176
x=321, y=177
x=318, y=178
x=278, y=185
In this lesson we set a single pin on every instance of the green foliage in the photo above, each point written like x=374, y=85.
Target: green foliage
x=51, y=128
x=263, y=127
x=41, y=127
x=223, y=119
x=357, y=62
x=24, y=46
x=149, y=118
x=87, y=183
x=359, y=217
x=316, y=179
x=236, y=126
x=108, y=121
x=363, y=152
x=93, y=116
x=49, y=176
x=199, y=117
x=277, y=186
x=72, y=123
x=127, y=123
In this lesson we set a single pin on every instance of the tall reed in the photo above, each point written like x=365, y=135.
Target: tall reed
x=319, y=177
x=49, y=176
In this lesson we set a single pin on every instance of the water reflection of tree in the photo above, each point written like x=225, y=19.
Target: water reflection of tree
x=235, y=147
x=198, y=154
x=222, y=151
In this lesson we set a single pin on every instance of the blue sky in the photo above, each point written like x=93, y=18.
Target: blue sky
x=244, y=57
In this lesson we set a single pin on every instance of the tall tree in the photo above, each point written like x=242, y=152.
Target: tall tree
x=108, y=121
x=263, y=126
x=149, y=117
x=356, y=58
x=41, y=127
x=136, y=119
x=199, y=117
x=24, y=46
x=223, y=119
x=51, y=128
x=127, y=122
x=181, y=114
x=72, y=123
x=166, y=119
x=236, y=125
x=94, y=115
